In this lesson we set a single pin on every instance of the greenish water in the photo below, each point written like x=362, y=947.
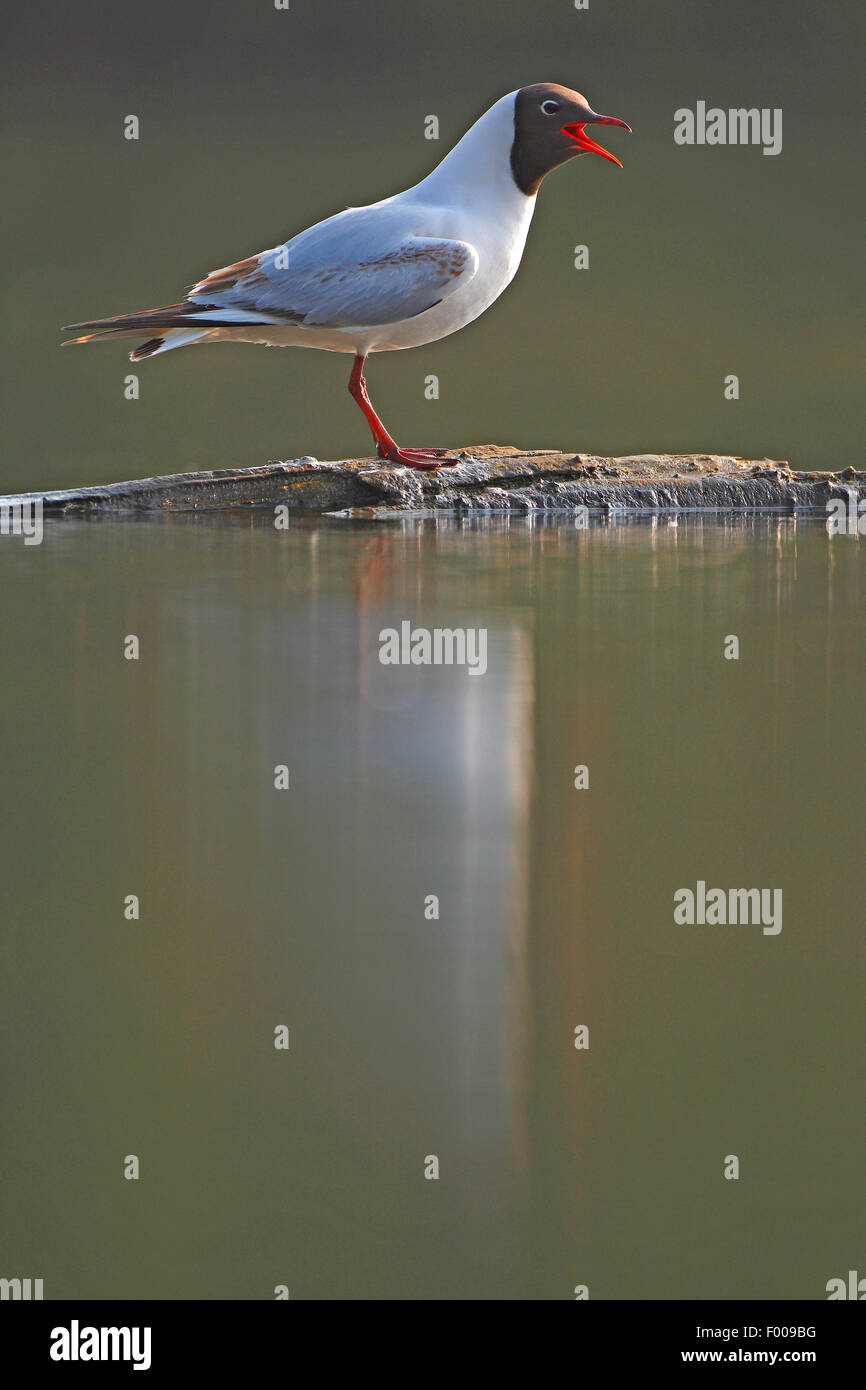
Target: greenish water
x=305, y=907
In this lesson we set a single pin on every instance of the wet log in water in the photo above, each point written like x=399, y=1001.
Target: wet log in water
x=488, y=478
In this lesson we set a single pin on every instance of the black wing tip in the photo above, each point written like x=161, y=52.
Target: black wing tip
x=146, y=349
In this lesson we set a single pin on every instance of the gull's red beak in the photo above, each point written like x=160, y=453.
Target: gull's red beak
x=577, y=133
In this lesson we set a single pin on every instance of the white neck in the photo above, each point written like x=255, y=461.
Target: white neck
x=480, y=163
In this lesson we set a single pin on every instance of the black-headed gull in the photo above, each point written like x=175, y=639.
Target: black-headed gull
x=396, y=274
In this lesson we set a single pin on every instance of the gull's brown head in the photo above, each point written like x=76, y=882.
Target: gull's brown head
x=550, y=126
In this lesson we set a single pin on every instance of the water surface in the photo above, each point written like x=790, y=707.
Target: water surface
x=412, y=1037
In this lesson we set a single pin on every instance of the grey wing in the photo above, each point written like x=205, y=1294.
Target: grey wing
x=348, y=272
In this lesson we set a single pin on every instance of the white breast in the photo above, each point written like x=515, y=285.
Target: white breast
x=471, y=196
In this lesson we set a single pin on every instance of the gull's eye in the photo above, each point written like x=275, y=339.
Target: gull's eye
x=549, y=107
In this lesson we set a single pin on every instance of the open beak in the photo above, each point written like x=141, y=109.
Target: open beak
x=577, y=133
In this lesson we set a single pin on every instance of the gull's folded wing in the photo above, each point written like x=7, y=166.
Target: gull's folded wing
x=357, y=270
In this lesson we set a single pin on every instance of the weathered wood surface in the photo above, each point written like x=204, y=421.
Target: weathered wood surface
x=488, y=478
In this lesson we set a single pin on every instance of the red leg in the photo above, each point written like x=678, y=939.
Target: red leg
x=386, y=447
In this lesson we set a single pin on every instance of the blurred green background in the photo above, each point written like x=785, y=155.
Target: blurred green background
x=257, y=122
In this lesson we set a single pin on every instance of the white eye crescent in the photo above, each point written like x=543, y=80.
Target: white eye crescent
x=549, y=107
